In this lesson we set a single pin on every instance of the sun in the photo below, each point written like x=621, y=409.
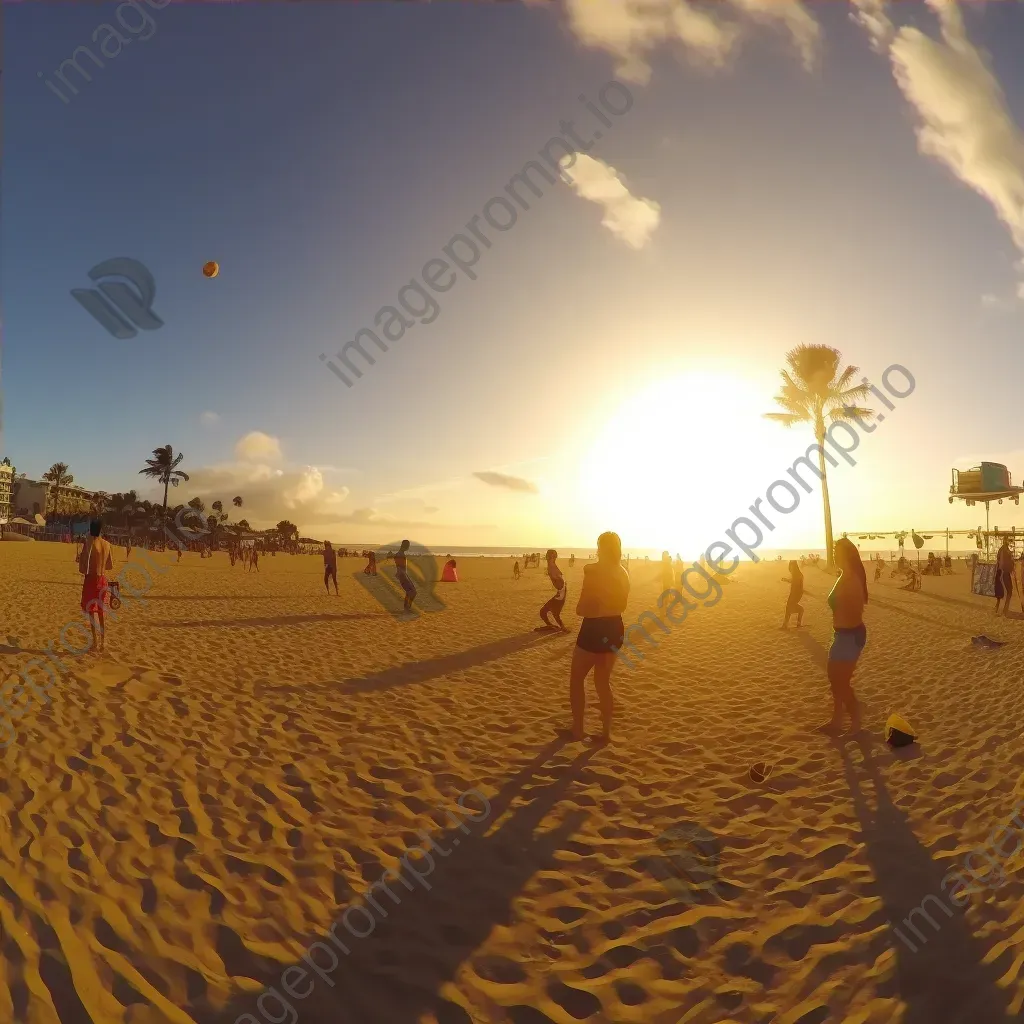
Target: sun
x=680, y=460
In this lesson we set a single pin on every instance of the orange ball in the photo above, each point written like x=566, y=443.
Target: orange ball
x=211, y=269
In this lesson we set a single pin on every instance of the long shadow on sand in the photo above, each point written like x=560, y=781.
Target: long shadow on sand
x=939, y=968
x=279, y=620
x=941, y=975
x=433, y=668
x=393, y=976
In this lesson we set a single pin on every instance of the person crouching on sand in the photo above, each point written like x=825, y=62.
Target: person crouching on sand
x=96, y=559
x=555, y=605
x=603, y=598
x=796, y=591
x=847, y=600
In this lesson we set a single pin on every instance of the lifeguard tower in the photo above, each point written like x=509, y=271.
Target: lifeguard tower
x=985, y=483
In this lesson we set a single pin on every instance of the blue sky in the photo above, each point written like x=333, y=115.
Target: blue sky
x=322, y=153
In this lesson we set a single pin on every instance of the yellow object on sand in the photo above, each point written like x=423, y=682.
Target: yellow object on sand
x=898, y=731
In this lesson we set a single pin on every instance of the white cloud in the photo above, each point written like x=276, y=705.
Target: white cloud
x=630, y=219
x=631, y=29
x=209, y=419
x=256, y=446
x=269, y=494
x=793, y=16
x=872, y=16
x=963, y=118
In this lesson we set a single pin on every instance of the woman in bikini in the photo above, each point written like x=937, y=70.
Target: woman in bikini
x=847, y=600
x=603, y=598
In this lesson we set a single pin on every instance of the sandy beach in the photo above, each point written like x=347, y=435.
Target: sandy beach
x=188, y=814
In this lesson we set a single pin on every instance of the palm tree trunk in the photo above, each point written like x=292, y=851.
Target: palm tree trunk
x=167, y=483
x=819, y=434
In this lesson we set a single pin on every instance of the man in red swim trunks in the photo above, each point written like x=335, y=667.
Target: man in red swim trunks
x=95, y=560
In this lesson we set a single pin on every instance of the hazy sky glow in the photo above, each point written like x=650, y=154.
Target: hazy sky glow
x=847, y=174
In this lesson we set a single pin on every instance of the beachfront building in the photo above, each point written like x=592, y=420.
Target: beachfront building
x=6, y=485
x=31, y=498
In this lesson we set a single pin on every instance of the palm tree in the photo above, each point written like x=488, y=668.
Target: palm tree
x=163, y=467
x=236, y=501
x=814, y=390
x=59, y=477
x=287, y=529
x=197, y=509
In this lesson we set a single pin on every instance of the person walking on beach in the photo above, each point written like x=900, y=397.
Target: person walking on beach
x=1004, y=575
x=255, y=557
x=849, y=635
x=555, y=605
x=603, y=598
x=515, y=570
x=402, y=572
x=666, y=571
x=330, y=567
x=796, y=591
x=96, y=558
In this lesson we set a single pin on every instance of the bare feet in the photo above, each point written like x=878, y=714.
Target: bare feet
x=831, y=728
x=600, y=740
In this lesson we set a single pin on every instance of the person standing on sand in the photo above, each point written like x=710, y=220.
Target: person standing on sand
x=1004, y=575
x=796, y=591
x=666, y=571
x=96, y=558
x=401, y=571
x=515, y=570
x=330, y=567
x=555, y=605
x=849, y=634
x=603, y=598
x=255, y=557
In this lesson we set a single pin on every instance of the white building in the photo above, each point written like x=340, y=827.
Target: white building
x=6, y=480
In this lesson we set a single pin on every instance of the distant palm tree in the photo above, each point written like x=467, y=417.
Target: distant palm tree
x=198, y=508
x=236, y=501
x=243, y=526
x=814, y=390
x=59, y=476
x=163, y=467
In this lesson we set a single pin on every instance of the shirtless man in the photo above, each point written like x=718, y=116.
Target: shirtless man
x=1004, y=567
x=95, y=560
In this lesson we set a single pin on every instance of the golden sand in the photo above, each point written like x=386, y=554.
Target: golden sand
x=193, y=810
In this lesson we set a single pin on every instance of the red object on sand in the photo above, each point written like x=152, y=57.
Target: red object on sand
x=448, y=574
x=94, y=590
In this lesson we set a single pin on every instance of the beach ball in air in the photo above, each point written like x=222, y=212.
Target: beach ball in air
x=211, y=269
